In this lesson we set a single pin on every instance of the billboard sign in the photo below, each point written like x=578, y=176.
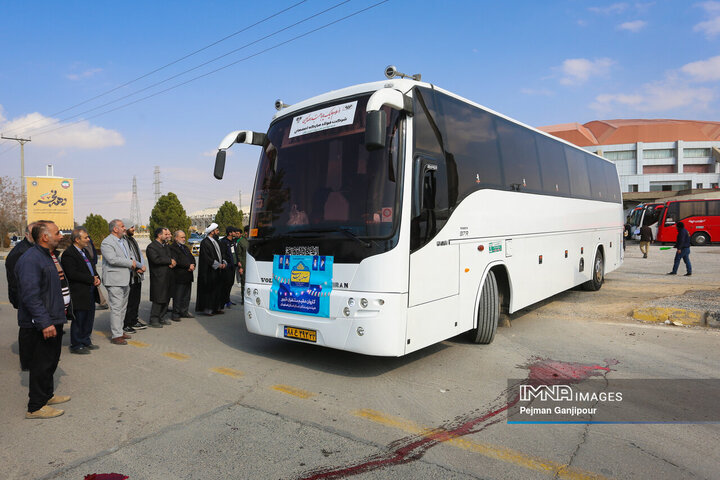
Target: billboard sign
x=51, y=198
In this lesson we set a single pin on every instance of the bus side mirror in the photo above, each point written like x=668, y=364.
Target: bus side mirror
x=375, y=126
x=219, y=164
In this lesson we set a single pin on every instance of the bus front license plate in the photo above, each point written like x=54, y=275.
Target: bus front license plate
x=301, y=334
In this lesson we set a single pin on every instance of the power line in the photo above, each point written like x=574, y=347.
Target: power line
x=315, y=15
x=219, y=69
x=171, y=63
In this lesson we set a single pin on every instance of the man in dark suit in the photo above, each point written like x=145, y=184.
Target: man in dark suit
x=44, y=298
x=227, y=246
x=10, y=262
x=161, y=265
x=84, y=280
x=183, y=273
x=210, y=267
x=131, y=322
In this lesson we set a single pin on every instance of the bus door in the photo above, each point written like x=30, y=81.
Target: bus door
x=434, y=262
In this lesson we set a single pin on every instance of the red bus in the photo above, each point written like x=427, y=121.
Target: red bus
x=700, y=217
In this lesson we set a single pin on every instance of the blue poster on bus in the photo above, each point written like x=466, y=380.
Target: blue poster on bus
x=302, y=284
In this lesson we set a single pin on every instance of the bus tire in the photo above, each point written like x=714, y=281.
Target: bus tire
x=598, y=273
x=700, y=239
x=488, y=312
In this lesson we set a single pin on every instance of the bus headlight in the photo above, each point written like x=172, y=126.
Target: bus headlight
x=257, y=301
x=248, y=291
x=351, y=302
x=346, y=311
x=360, y=331
x=255, y=292
x=363, y=302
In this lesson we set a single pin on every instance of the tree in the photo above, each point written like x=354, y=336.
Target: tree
x=168, y=212
x=228, y=215
x=12, y=208
x=97, y=228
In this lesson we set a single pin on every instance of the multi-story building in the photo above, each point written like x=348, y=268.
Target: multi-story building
x=652, y=155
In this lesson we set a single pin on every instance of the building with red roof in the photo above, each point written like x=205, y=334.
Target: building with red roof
x=652, y=155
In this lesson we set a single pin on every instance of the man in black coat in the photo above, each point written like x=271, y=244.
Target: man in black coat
x=184, y=277
x=10, y=262
x=84, y=280
x=132, y=323
x=161, y=265
x=210, y=267
x=682, y=244
x=227, y=247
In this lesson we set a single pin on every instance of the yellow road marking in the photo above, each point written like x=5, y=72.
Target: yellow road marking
x=4, y=303
x=176, y=356
x=99, y=333
x=230, y=372
x=486, y=449
x=296, y=392
x=138, y=343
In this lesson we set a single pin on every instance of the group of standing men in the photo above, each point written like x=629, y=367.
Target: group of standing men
x=48, y=291
x=220, y=264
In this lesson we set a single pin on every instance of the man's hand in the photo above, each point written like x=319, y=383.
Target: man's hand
x=679, y=251
x=192, y=267
x=96, y=281
x=172, y=263
x=142, y=270
x=134, y=265
x=240, y=269
x=49, y=332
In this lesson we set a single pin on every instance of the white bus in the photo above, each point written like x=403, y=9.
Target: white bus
x=390, y=216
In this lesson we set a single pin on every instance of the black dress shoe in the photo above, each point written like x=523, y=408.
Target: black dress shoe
x=92, y=346
x=187, y=315
x=80, y=351
x=672, y=273
x=175, y=319
x=688, y=274
x=218, y=312
x=154, y=325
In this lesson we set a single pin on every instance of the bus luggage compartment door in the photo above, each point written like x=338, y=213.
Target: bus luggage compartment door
x=433, y=273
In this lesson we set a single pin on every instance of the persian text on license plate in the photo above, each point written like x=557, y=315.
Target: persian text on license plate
x=301, y=334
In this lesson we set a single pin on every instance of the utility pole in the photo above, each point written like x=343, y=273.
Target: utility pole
x=157, y=183
x=22, y=142
x=135, y=205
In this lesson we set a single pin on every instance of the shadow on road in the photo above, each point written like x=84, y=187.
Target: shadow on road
x=230, y=329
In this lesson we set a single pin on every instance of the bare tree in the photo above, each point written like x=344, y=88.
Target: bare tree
x=12, y=207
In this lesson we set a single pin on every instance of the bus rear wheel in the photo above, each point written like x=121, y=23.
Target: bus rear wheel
x=598, y=274
x=488, y=312
x=699, y=239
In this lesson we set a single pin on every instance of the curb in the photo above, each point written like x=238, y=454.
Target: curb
x=678, y=316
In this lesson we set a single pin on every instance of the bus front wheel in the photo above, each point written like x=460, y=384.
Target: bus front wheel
x=598, y=273
x=699, y=239
x=488, y=312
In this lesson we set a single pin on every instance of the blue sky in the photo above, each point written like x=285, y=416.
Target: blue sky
x=541, y=62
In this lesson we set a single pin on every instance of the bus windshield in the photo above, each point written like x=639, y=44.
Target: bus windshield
x=316, y=178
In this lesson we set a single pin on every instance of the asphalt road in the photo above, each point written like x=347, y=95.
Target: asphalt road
x=205, y=399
